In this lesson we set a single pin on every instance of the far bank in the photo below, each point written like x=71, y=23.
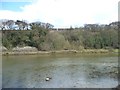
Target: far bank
x=84, y=51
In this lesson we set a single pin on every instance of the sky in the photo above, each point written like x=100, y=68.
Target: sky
x=61, y=13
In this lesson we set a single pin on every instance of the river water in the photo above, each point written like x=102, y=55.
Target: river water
x=65, y=71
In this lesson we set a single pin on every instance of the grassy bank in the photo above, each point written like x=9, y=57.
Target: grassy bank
x=84, y=51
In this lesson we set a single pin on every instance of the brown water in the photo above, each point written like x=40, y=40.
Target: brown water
x=66, y=71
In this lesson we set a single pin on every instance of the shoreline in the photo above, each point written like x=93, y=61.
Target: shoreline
x=84, y=51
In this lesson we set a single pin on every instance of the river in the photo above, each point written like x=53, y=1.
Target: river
x=65, y=71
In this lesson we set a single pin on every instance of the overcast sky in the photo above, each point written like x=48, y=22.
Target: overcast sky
x=61, y=13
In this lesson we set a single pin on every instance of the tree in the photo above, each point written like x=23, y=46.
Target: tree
x=3, y=24
x=42, y=25
x=10, y=24
x=22, y=25
x=49, y=26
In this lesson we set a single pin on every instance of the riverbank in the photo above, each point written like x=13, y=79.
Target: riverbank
x=84, y=51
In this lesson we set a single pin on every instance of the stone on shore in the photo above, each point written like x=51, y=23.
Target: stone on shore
x=2, y=48
x=26, y=49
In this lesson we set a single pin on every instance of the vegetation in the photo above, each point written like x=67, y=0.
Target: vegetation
x=41, y=36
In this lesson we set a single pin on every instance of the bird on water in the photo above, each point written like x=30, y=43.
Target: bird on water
x=48, y=78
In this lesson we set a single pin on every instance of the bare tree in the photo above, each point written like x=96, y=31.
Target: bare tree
x=49, y=26
x=22, y=25
x=10, y=24
x=3, y=24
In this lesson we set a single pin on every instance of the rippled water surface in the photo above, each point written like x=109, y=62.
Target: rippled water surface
x=65, y=71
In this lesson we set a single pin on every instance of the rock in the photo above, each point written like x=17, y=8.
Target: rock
x=26, y=48
x=116, y=88
x=2, y=48
x=74, y=86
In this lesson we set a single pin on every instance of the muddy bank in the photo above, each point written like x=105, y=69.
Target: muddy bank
x=27, y=50
x=34, y=52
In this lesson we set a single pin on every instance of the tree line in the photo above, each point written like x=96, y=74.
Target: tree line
x=22, y=25
x=91, y=36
